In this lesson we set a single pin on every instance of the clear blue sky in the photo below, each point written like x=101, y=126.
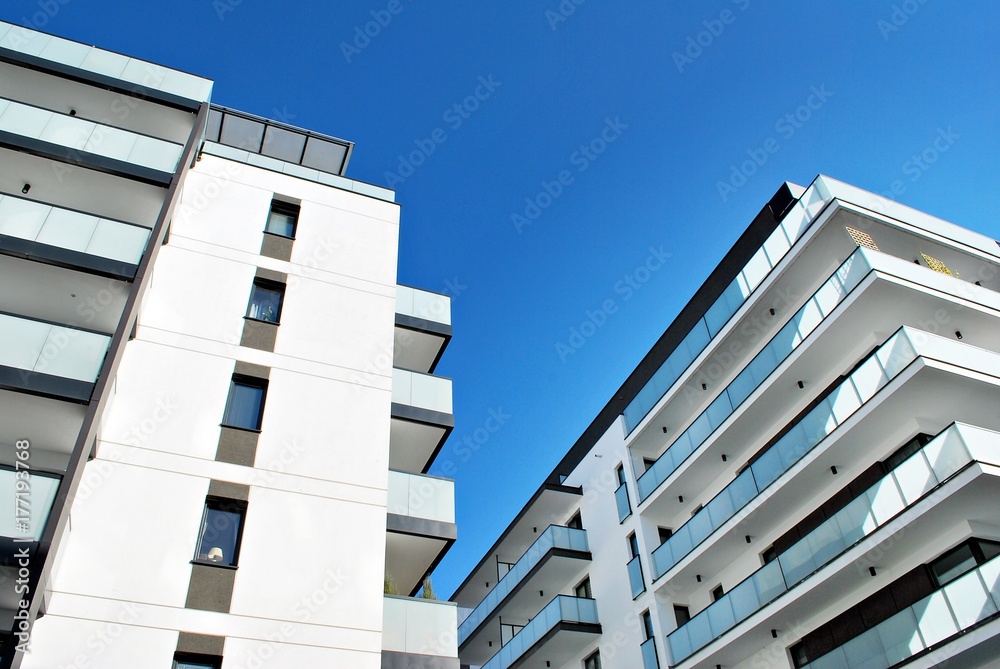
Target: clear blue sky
x=885, y=78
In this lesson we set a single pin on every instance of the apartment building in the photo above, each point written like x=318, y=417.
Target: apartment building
x=803, y=472
x=217, y=407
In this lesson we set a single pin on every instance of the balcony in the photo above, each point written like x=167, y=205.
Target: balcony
x=77, y=140
x=26, y=505
x=622, y=502
x=955, y=609
x=421, y=419
x=887, y=362
x=423, y=328
x=914, y=483
x=422, y=627
x=834, y=291
x=635, y=577
x=648, y=649
x=49, y=359
x=791, y=229
x=70, y=238
x=556, y=560
x=557, y=634
x=421, y=526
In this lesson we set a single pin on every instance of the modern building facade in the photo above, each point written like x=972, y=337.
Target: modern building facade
x=804, y=471
x=217, y=407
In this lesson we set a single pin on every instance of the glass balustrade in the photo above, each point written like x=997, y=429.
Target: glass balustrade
x=77, y=134
x=555, y=536
x=71, y=230
x=635, y=578
x=966, y=601
x=623, y=503
x=423, y=391
x=38, y=346
x=27, y=503
x=833, y=291
x=838, y=406
x=911, y=481
x=649, y=660
x=560, y=609
x=421, y=496
x=792, y=227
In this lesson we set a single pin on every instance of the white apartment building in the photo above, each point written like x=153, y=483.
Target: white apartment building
x=217, y=407
x=804, y=471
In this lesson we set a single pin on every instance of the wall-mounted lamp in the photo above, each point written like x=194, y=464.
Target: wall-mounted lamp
x=72, y=112
x=724, y=458
x=958, y=334
x=833, y=469
x=26, y=188
x=871, y=570
x=697, y=577
x=541, y=593
x=774, y=634
x=680, y=498
x=801, y=385
x=664, y=429
x=704, y=386
x=771, y=311
x=747, y=537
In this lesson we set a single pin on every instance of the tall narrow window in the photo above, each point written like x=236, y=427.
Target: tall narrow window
x=664, y=533
x=633, y=546
x=221, y=531
x=265, y=301
x=576, y=522
x=245, y=405
x=583, y=590
x=682, y=614
x=717, y=593
x=282, y=219
x=647, y=625
x=593, y=661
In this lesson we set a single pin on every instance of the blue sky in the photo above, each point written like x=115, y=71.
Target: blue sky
x=589, y=137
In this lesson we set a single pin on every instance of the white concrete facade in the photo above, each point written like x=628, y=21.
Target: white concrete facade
x=808, y=440
x=136, y=427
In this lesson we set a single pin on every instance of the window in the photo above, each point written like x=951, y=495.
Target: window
x=963, y=558
x=620, y=473
x=647, y=463
x=717, y=593
x=664, y=534
x=682, y=614
x=282, y=219
x=633, y=545
x=583, y=590
x=265, y=301
x=593, y=662
x=768, y=555
x=245, y=405
x=221, y=530
x=647, y=626
x=576, y=522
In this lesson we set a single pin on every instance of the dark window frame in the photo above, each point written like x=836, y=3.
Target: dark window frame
x=265, y=284
x=227, y=505
x=208, y=661
x=718, y=592
x=246, y=381
x=682, y=612
x=283, y=208
x=593, y=661
x=586, y=586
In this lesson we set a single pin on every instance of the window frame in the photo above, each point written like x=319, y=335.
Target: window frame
x=264, y=284
x=250, y=382
x=283, y=208
x=586, y=586
x=227, y=505
x=593, y=661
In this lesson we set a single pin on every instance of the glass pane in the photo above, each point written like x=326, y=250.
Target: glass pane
x=283, y=144
x=325, y=156
x=242, y=133
x=214, y=125
x=243, y=407
x=281, y=224
x=219, y=535
x=265, y=304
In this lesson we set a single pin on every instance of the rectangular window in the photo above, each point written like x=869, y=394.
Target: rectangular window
x=717, y=593
x=647, y=626
x=768, y=555
x=633, y=545
x=282, y=219
x=194, y=661
x=245, y=405
x=583, y=590
x=620, y=473
x=664, y=534
x=265, y=301
x=576, y=522
x=682, y=614
x=221, y=531
x=647, y=463
x=593, y=662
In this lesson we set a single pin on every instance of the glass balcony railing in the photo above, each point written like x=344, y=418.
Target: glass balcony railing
x=561, y=609
x=423, y=391
x=555, y=536
x=623, y=503
x=423, y=304
x=899, y=490
x=880, y=368
x=635, y=579
x=71, y=230
x=419, y=626
x=966, y=601
x=795, y=223
x=421, y=496
x=38, y=346
x=78, y=134
x=26, y=503
x=823, y=302
x=649, y=660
